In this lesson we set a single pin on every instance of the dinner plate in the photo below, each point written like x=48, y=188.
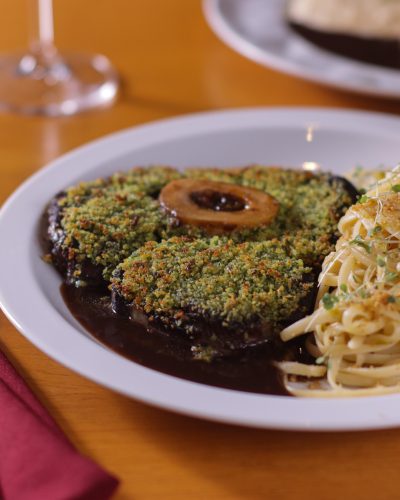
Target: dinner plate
x=257, y=29
x=29, y=288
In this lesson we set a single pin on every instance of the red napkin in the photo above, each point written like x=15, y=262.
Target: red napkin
x=37, y=462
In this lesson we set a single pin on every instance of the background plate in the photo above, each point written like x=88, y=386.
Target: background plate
x=29, y=288
x=257, y=29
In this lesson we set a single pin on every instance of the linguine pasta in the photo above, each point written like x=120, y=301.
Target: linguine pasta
x=354, y=333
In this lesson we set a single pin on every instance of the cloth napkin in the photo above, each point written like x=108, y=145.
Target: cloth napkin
x=37, y=462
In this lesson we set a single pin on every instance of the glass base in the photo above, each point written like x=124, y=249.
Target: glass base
x=66, y=85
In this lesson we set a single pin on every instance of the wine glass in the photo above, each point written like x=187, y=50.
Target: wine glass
x=43, y=81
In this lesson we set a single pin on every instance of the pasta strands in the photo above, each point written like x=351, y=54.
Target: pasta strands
x=354, y=331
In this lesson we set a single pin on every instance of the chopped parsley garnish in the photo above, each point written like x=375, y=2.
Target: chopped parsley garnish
x=360, y=242
x=391, y=299
x=329, y=301
x=375, y=230
x=396, y=188
x=380, y=261
x=363, y=198
x=343, y=287
x=391, y=276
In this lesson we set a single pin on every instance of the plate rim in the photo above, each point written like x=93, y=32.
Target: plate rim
x=223, y=399
x=225, y=32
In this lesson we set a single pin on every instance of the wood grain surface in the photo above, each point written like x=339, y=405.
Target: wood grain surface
x=172, y=64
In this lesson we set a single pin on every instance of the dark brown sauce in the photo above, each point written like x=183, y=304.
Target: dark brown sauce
x=215, y=200
x=252, y=370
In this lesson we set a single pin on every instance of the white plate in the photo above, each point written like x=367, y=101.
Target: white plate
x=29, y=288
x=257, y=30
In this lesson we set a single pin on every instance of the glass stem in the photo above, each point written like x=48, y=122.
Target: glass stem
x=41, y=39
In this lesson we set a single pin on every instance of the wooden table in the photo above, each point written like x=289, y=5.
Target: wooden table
x=172, y=64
